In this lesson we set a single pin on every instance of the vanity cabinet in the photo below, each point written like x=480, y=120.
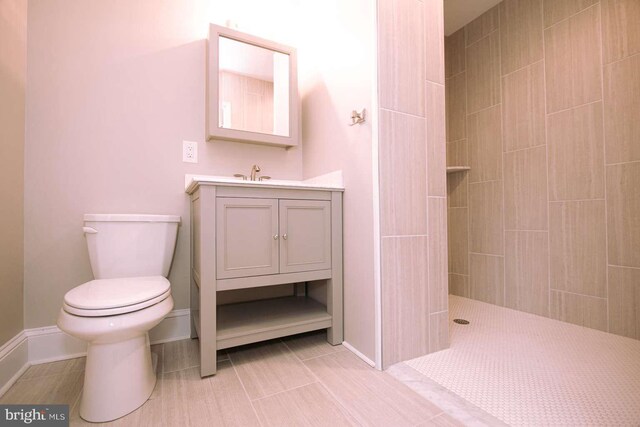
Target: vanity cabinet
x=248, y=235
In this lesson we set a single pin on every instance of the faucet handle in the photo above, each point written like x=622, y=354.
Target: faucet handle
x=239, y=175
x=264, y=178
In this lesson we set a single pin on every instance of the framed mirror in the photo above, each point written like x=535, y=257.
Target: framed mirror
x=252, y=89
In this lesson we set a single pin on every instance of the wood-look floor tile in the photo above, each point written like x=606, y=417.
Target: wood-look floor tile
x=219, y=400
x=54, y=368
x=310, y=405
x=61, y=389
x=372, y=397
x=178, y=355
x=443, y=420
x=310, y=345
x=268, y=368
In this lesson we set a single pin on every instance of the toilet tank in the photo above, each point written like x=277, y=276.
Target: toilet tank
x=130, y=245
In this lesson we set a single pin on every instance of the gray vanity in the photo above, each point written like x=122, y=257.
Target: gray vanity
x=248, y=234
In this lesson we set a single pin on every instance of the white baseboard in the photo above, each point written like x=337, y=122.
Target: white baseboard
x=353, y=350
x=50, y=344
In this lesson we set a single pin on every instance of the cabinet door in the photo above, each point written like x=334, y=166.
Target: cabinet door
x=246, y=237
x=305, y=227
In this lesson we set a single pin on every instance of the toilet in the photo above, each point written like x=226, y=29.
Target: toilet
x=130, y=257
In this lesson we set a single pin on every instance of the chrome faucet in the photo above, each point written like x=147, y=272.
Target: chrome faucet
x=254, y=170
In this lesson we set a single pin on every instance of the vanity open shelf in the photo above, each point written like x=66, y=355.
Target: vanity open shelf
x=253, y=237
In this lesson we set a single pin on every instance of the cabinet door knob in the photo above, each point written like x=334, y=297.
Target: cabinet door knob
x=284, y=236
x=275, y=237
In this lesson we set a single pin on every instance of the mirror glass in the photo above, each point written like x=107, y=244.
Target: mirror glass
x=254, y=88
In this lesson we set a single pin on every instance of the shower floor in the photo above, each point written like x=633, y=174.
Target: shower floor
x=529, y=370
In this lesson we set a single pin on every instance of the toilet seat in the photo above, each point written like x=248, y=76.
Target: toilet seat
x=109, y=297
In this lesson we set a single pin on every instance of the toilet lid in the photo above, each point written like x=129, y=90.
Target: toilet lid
x=115, y=293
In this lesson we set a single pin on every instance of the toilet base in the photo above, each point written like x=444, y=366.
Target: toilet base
x=119, y=378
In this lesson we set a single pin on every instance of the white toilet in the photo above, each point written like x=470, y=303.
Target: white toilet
x=130, y=257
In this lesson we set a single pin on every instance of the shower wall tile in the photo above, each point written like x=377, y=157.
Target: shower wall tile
x=523, y=108
x=579, y=309
x=620, y=29
x=456, y=107
x=576, y=153
x=459, y=285
x=525, y=189
x=624, y=301
x=458, y=190
x=405, y=326
x=458, y=153
x=622, y=110
x=403, y=174
x=482, y=26
x=434, y=41
x=578, y=235
x=437, y=260
x=454, y=56
x=558, y=10
x=483, y=73
x=458, y=240
x=520, y=33
x=527, y=271
x=436, y=144
x=486, y=224
x=573, y=61
x=484, y=132
x=439, y=331
x=401, y=42
x=487, y=278
x=623, y=214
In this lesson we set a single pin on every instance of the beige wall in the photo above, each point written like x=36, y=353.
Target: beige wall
x=336, y=77
x=113, y=90
x=543, y=102
x=412, y=179
x=13, y=64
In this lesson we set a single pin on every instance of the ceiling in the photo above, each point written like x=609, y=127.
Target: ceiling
x=458, y=13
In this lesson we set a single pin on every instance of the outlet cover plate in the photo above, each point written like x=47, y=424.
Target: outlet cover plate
x=189, y=152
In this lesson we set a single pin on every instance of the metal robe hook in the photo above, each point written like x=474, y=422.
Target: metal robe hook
x=357, y=118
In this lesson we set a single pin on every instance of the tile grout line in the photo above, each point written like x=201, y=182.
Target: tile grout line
x=244, y=388
x=578, y=294
x=604, y=170
x=502, y=168
x=617, y=60
x=546, y=143
x=319, y=381
x=575, y=107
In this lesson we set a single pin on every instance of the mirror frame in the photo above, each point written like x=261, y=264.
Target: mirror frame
x=214, y=131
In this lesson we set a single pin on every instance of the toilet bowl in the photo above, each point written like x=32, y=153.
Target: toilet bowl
x=130, y=257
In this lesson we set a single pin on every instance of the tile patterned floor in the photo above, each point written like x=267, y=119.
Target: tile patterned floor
x=529, y=370
x=298, y=381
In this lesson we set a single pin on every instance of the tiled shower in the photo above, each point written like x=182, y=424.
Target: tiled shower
x=543, y=104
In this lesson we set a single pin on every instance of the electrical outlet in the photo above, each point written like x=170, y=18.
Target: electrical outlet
x=189, y=152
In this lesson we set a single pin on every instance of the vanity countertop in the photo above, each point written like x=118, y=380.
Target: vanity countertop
x=328, y=182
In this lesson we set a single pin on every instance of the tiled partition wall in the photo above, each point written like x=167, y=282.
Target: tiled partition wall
x=543, y=102
x=412, y=160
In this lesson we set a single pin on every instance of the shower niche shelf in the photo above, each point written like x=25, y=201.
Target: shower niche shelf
x=454, y=169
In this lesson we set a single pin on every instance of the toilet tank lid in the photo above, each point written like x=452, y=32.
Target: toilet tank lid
x=131, y=218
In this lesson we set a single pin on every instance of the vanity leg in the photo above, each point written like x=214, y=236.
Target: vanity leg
x=208, y=285
x=335, y=334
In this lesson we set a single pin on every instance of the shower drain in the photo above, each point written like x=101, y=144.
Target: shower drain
x=461, y=321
